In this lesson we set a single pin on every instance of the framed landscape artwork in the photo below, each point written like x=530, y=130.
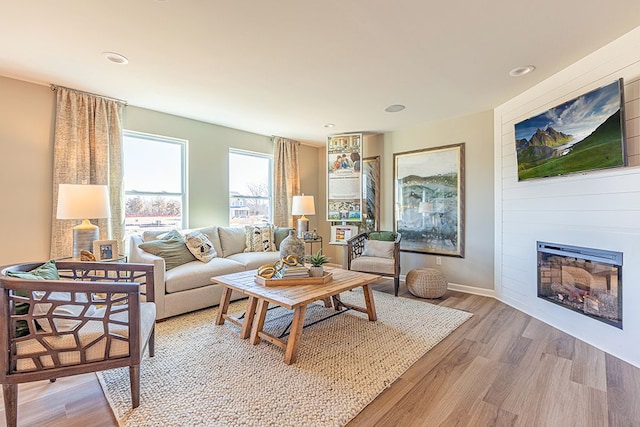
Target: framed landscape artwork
x=583, y=134
x=429, y=200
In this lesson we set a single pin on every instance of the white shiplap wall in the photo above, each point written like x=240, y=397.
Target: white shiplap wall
x=598, y=209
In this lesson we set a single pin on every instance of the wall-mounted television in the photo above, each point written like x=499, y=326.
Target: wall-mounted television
x=583, y=134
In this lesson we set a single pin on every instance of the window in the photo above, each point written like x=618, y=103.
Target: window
x=154, y=182
x=250, y=188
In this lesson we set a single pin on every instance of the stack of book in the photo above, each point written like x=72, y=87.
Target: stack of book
x=289, y=272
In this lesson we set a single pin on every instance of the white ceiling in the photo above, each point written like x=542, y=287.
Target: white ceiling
x=287, y=67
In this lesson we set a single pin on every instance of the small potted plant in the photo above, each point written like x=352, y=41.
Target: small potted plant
x=316, y=260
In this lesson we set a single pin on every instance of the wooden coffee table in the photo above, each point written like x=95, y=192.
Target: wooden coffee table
x=295, y=298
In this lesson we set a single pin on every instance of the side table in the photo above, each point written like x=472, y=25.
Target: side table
x=312, y=242
x=119, y=258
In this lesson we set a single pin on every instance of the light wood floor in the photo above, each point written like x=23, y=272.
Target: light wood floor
x=501, y=368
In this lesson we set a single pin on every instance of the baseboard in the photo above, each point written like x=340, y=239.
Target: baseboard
x=462, y=288
x=472, y=290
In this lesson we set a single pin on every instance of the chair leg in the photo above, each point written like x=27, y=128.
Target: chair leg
x=152, y=342
x=134, y=379
x=10, y=392
x=396, y=285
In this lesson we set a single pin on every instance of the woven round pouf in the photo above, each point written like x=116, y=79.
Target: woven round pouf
x=426, y=282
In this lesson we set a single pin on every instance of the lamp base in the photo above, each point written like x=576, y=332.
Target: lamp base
x=303, y=227
x=83, y=237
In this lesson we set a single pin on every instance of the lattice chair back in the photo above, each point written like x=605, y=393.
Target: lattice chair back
x=97, y=316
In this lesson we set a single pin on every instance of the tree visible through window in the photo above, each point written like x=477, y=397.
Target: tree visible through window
x=154, y=182
x=249, y=188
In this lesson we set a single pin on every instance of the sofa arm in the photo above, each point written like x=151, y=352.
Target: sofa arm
x=138, y=256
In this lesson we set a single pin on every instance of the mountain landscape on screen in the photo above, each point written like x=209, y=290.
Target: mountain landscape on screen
x=580, y=135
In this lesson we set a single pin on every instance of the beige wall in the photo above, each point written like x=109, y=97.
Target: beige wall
x=474, y=272
x=26, y=158
x=26, y=150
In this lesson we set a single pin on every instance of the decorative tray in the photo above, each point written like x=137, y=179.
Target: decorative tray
x=326, y=277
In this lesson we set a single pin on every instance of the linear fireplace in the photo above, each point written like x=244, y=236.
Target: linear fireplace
x=585, y=280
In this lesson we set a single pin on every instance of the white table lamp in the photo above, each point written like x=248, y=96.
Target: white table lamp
x=83, y=201
x=303, y=205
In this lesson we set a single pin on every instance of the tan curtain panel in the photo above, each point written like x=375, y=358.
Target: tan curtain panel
x=87, y=149
x=286, y=182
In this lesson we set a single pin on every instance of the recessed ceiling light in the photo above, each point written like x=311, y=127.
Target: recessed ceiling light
x=116, y=58
x=329, y=125
x=394, y=108
x=521, y=71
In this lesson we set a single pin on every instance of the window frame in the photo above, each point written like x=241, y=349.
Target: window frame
x=182, y=143
x=269, y=198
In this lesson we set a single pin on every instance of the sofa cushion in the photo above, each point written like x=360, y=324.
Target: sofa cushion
x=200, y=246
x=171, y=247
x=259, y=239
x=232, y=240
x=378, y=248
x=251, y=260
x=373, y=265
x=197, y=274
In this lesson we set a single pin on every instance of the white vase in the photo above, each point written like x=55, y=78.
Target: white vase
x=292, y=245
x=316, y=271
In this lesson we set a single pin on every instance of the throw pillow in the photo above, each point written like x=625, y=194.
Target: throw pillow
x=171, y=247
x=259, y=239
x=388, y=236
x=232, y=240
x=47, y=271
x=378, y=249
x=200, y=246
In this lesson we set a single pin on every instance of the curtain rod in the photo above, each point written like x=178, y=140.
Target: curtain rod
x=108, y=98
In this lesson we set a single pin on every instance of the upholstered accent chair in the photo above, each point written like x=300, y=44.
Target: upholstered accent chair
x=90, y=317
x=376, y=252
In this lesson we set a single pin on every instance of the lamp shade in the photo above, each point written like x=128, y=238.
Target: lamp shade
x=83, y=201
x=303, y=205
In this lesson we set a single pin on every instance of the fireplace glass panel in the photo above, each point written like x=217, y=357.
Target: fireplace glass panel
x=585, y=280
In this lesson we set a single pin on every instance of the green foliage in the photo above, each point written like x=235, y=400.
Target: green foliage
x=601, y=149
x=317, y=259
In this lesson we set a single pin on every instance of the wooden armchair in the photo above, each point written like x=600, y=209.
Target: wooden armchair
x=376, y=252
x=92, y=319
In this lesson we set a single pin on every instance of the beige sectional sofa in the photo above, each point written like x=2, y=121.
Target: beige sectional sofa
x=188, y=287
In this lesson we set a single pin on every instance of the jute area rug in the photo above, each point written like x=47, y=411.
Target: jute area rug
x=205, y=375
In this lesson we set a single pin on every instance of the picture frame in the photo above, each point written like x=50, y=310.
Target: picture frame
x=105, y=250
x=344, y=177
x=340, y=234
x=429, y=200
x=584, y=134
x=371, y=193
x=370, y=196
